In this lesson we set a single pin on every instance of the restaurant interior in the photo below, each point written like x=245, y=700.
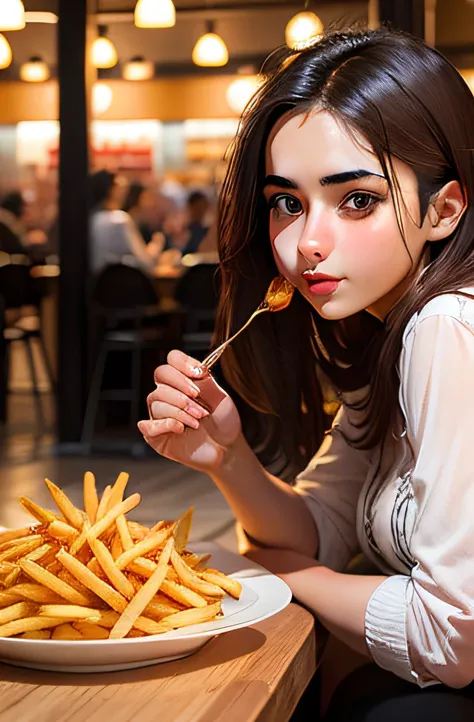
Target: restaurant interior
x=132, y=104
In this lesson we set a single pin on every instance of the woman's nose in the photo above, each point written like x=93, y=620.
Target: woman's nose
x=315, y=251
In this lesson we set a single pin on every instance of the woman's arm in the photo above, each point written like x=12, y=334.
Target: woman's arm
x=268, y=509
x=338, y=600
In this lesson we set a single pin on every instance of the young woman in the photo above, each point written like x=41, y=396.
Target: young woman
x=353, y=176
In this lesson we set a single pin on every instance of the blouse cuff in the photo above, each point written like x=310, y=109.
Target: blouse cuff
x=385, y=627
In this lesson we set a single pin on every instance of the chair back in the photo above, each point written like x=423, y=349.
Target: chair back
x=16, y=285
x=123, y=292
x=198, y=293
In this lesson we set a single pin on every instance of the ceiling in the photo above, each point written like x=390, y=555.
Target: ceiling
x=250, y=33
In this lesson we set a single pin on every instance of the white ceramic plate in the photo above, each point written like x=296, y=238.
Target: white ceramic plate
x=263, y=595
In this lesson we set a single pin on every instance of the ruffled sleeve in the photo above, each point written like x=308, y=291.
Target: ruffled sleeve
x=421, y=626
x=330, y=486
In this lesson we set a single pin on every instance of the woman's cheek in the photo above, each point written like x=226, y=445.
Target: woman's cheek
x=285, y=247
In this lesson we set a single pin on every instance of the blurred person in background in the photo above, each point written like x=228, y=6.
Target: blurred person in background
x=12, y=227
x=114, y=235
x=186, y=230
x=140, y=202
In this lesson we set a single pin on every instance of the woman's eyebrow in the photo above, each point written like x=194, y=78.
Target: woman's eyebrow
x=348, y=175
x=276, y=180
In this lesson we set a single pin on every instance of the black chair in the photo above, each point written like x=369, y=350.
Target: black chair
x=126, y=304
x=198, y=293
x=17, y=289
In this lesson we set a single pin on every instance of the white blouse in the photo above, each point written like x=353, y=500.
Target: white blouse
x=409, y=505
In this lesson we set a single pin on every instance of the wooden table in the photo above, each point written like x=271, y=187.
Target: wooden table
x=257, y=673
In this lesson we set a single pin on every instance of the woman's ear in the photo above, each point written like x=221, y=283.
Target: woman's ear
x=446, y=211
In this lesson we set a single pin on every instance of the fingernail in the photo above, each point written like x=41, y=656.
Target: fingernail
x=196, y=411
x=154, y=408
x=194, y=390
x=198, y=371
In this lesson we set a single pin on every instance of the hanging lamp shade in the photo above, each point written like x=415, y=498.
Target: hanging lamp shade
x=155, y=14
x=210, y=50
x=35, y=70
x=302, y=30
x=102, y=97
x=6, y=55
x=104, y=54
x=12, y=15
x=138, y=69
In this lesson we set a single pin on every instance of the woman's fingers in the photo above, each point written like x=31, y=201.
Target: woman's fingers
x=168, y=395
x=162, y=410
x=170, y=376
x=186, y=364
x=153, y=429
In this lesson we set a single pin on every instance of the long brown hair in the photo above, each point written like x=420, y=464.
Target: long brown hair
x=408, y=102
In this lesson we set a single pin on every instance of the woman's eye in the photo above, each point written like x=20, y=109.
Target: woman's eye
x=360, y=202
x=287, y=204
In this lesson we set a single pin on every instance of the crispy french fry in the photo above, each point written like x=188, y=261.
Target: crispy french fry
x=111, y=571
x=91, y=631
x=229, y=585
x=123, y=508
x=118, y=489
x=135, y=633
x=182, y=529
x=96, y=585
x=21, y=548
x=91, y=500
x=103, y=503
x=144, y=547
x=12, y=576
x=16, y=611
x=138, y=532
x=34, y=593
x=42, y=576
x=65, y=506
x=79, y=542
x=70, y=579
x=143, y=567
x=43, y=515
x=28, y=624
x=188, y=617
x=191, y=580
x=7, y=598
x=63, y=532
x=13, y=534
x=66, y=633
x=38, y=634
x=69, y=611
x=124, y=532
x=144, y=596
x=108, y=618
x=38, y=553
x=182, y=594
x=116, y=548
x=197, y=562
x=159, y=525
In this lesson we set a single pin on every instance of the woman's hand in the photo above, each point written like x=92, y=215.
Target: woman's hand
x=192, y=420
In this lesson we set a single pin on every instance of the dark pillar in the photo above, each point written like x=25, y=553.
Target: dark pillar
x=73, y=218
x=408, y=15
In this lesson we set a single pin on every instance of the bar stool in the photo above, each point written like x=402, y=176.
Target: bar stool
x=125, y=301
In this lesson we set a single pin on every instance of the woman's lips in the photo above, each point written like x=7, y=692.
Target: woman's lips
x=320, y=285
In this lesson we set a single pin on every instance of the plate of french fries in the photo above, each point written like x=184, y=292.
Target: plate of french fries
x=89, y=590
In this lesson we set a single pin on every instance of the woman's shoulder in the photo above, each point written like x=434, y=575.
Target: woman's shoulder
x=458, y=305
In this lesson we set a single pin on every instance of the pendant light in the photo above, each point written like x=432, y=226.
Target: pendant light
x=155, y=14
x=302, y=30
x=210, y=50
x=6, y=55
x=242, y=89
x=138, y=69
x=12, y=15
x=35, y=70
x=104, y=54
x=102, y=97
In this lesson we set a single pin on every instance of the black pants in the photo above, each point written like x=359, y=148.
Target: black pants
x=370, y=694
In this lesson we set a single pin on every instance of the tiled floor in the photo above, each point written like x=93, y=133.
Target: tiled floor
x=167, y=489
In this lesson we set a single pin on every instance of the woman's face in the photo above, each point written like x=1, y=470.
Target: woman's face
x=331, y=213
